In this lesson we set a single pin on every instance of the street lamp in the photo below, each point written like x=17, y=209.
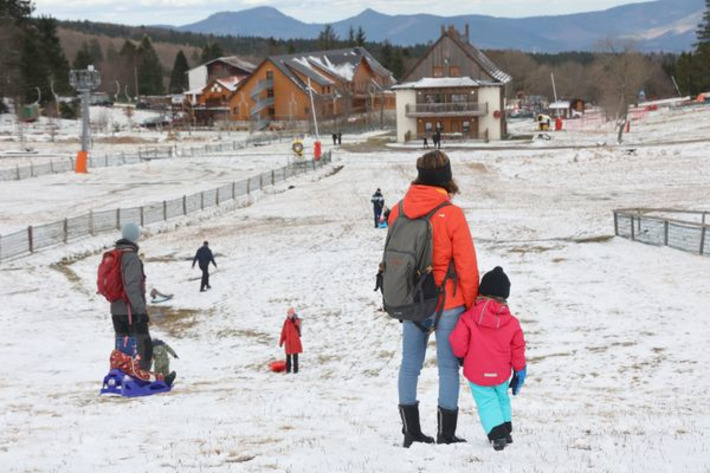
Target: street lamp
x=84, y=81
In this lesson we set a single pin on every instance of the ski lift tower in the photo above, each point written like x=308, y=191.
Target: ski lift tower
x=84, y=81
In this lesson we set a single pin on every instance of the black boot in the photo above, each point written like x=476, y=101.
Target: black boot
x=497, y=436
x=170, y=379
x=410, y=426
x=509, y=426
x=447, y=426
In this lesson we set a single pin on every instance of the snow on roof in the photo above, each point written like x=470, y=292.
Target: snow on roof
x=345, y=70
x=442, y=82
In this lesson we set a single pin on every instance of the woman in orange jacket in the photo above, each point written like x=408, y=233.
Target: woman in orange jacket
x=452, y=240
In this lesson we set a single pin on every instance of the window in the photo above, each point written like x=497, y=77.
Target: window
x=467, y=127
x=269, y=74
x=235, y=111
x=455, y=71
x=438, y=71
x=269, y=92
x=428, y=127
x=272, y=112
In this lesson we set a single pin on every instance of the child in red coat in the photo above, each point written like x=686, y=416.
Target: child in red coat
x=291, y=336
x=490, y=341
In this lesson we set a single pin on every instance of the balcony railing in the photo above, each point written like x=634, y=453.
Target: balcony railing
x=447, y=109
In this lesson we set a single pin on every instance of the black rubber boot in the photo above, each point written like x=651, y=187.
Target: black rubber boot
x=447, y=426
x=170, y=379
x=509, y=426
x=497, y=437
x=410, y=426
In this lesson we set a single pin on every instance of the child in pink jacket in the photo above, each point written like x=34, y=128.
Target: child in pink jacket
x=490, y=341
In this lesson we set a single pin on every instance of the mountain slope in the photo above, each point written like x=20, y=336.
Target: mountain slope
x=657, y=25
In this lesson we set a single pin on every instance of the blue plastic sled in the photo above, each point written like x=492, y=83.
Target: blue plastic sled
x=158, y=300
x=382, y=224
x=119, y=383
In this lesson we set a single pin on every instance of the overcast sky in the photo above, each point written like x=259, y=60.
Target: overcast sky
x=180, y=12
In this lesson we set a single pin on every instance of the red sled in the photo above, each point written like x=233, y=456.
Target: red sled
x=278, y=366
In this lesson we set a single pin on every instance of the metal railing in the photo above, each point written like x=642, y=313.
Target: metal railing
x=685, y=230
x=455, y=108
x=34, y=238
x=143, y=154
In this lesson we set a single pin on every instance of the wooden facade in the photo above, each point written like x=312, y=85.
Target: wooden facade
x=454, y=88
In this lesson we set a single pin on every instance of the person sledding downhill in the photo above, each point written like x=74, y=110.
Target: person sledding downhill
x=291, y=339
x=428, y=276
x=490, y=341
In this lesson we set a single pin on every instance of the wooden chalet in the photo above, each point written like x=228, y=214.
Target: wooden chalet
x=223, y=75
x=343, y=82
x=454, y=88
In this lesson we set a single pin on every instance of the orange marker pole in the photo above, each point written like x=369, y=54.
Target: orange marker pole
x=81, y=162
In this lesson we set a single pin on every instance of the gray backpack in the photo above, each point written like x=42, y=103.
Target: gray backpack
x=406, y=276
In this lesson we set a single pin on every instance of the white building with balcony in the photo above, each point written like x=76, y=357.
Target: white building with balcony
x=455, y=89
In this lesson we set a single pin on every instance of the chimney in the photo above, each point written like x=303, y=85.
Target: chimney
x=452, y=31
x=466, y=32
x=443, y=29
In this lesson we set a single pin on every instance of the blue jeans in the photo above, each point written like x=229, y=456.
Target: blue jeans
x=493, y=404
x=414, y=343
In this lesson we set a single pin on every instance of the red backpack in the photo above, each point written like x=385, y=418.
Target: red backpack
x=110, y=279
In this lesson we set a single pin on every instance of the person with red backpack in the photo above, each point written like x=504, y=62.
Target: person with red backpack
x=122, y=281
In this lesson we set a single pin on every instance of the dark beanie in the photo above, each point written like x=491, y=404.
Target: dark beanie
x=435, y=177
x=495, y=283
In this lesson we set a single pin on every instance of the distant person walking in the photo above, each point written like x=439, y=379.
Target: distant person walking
x=335, y=139
x=204, y=257
x=437, y=139
x=340, y=138
x=378, y=203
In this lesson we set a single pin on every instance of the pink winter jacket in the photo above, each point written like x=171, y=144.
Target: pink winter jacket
x=490, y=341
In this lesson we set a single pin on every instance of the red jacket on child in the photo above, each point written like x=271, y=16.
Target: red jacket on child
x=291, y=336
x=489, y=339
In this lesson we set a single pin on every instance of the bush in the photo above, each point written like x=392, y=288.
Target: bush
x=69, y=110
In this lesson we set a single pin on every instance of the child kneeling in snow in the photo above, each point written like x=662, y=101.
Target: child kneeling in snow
x=291, y=337
x=122, y=359
x=490, y=341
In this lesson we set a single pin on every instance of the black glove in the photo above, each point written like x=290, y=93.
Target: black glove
x=378, y=281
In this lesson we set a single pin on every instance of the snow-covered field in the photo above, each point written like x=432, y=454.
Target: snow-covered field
x=615, y=329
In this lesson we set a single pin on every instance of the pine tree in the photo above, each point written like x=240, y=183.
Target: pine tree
x=703, y=32
x=360, y=38
x=54, y=55
x=178, y=78
x=327, y=38
x=351, y=37
x=83, y=58
x=16, y=10
x=97, y=54
x=150, y=72
x=212, y=50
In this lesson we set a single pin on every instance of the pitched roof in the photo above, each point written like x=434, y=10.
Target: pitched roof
x=472, y=52
x=320, y=66
x=443, y=82
x=235, y=61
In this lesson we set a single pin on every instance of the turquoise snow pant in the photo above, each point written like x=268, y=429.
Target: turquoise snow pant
x=493, y=405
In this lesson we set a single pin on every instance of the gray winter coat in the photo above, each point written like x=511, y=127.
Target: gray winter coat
x=133, y=281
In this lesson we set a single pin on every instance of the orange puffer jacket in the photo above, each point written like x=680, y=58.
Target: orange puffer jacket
x=452, y=239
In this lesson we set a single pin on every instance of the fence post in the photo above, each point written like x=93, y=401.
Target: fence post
x=73, y=165
x=18, y=171
x=32, y=169
x=633, y=233
x=165, y=210
x=142, y=216
x=234, y=190
x=91, y=222
x=66, y=230
x=51, y=166
x=29, y=239
x=105, y=160
x=665, y=232
x=184, y=205
x=216, y=199
x=702, y=236
x=261, y=181
x=202, y=200
x=140, y=156
x=118, y=218
x=273, y=177
x=248, y=186
x=616, y=224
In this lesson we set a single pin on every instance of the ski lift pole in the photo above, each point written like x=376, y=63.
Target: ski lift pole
x=317, y=144
x=84, y=81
